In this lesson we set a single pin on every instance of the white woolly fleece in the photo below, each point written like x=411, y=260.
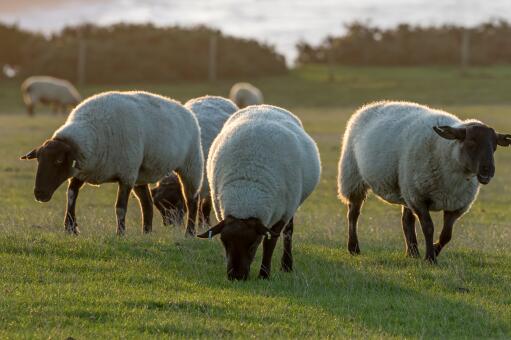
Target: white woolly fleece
x=134, y=137
x=262, y=165
x=211, y=112
x=392, y=149
x=245, y=94
x=47, y=88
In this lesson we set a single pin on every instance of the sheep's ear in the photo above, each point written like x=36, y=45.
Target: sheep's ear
x=213, y=231
x=31, y=155
x=449, y=132
x=503, y=140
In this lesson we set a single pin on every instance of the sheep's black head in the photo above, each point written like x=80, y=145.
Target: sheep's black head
x=478, y=143
x=55, y=166
x=167, y=197
x=240, y=238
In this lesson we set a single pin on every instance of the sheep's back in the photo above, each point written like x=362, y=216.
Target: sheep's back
x=50, y=88
x=260, y=167
x=136, y=135
x=386, y=137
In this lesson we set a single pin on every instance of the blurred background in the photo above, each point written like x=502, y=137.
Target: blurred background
x=120, y=41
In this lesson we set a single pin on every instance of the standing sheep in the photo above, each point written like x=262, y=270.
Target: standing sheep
x=211, y=113
x=59, y=93
x=245, y=94
x=132, y=138
x=421, y=158
x=261, y=167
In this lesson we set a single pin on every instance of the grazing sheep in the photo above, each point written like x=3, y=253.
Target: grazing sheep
x=261, y=167
x=211, y=113
x=421, y=158
x=132, y=138
x=59, y=93
x=245, y=94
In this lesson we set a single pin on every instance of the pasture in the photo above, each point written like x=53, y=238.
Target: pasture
x=53, y=285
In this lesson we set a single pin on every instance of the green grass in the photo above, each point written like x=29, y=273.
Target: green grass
x=97, y=285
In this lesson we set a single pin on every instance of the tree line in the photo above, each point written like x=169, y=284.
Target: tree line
x=362, y=44
x=136, y=52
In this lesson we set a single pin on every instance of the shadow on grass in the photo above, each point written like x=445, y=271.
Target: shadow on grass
x=341, y=295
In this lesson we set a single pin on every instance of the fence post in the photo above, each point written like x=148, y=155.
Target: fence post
x=465, y=49
x=213, y=42
x=82, y=53
x=330, y=59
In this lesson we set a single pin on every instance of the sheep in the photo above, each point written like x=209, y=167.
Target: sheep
x=211, y=113
x=245, y=94
x=59, y=93
x=420, y=158
x=132, y=138
x=260, y=168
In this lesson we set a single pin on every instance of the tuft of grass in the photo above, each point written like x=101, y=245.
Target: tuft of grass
x=160, y=285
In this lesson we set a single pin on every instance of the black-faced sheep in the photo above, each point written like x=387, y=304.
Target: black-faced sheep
x=132, y=138
x=420, y=158
x=261, y=167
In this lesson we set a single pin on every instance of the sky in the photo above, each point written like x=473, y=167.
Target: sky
x=281, y=23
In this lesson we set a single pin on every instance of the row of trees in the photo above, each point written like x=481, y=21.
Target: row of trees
x=132, y=53
x=363, y=44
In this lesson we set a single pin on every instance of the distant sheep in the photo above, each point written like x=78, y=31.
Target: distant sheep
x=245, y=94
x=211, y=113
x=421, y=158
x=132, y=138
x=59, y=93
x=261, y=167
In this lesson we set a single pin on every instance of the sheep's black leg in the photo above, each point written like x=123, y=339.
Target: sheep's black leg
x=445, y=236
x=408, y=223
x=30, y=110
x=191, y=200
x=205, y=211
x=192, y=205
x=268, y=248
x=146, y=205
x=73, y=189
x=287, y=255
x=353, y=214
x=428, y=229
x=121, y=206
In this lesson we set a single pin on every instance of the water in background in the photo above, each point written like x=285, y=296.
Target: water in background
x=279, y=22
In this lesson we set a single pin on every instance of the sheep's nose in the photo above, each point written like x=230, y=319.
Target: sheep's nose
x=41, y=195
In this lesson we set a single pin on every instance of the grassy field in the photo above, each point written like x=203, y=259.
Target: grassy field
x=53, y=285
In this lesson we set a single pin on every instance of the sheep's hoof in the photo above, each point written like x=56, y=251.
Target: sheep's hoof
x=263, y=275
x=431, y=259
x=190, y=232
x=121, y=232
x=354, y=249
x=72, y=229
x=438, y=248
x=413, y=251
x=288, y=268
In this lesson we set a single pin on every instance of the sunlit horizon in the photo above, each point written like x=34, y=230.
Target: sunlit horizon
x=269, y=21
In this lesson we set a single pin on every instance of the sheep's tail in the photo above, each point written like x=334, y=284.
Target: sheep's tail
x=351, y=185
